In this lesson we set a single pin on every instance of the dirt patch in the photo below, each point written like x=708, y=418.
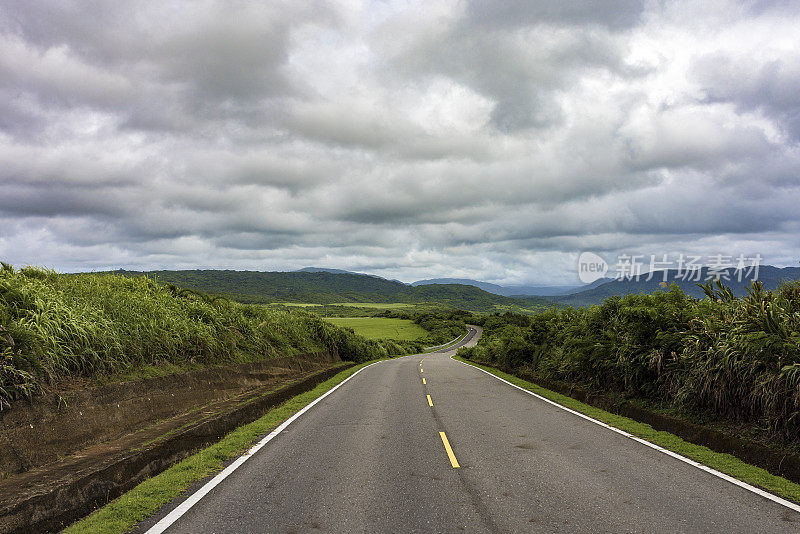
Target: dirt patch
x=55, y=426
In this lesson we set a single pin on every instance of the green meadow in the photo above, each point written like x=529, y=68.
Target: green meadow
x=371, y=305
x=381, y=328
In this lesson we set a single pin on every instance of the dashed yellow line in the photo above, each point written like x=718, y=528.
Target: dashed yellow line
x=449, y=450
x=430, y=402
x=423, y=381
x=420, y=370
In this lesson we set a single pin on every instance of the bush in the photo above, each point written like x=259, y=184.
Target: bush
x=737, y=358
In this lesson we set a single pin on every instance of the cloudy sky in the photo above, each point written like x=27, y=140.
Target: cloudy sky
x=482, y=139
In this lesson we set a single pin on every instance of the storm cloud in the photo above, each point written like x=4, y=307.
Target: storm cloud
x=491, y=140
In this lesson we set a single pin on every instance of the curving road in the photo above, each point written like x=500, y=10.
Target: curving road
x=372, y=457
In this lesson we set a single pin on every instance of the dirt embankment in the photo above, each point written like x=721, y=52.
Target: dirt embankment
x=62, y=456
x=55, y=426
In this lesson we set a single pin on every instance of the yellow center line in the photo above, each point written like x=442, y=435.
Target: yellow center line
x=450, y=454
x=423, y=381
x=420, y=370
x=430, y=402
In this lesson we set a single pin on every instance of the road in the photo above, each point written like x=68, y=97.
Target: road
x=370, y=457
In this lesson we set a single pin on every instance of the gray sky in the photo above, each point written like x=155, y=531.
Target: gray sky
x=490, y=140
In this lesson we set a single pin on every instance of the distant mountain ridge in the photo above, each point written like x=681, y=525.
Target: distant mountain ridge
x=325, y=270
x=322, y=287
x=738, y=281
x=506, y=291
x=515, y=290
x=327, y=286
x=340, y=271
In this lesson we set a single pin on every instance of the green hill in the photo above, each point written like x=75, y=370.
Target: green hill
x=267, y=287
x=328, y=288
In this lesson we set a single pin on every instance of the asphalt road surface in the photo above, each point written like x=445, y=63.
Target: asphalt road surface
x=372, y=457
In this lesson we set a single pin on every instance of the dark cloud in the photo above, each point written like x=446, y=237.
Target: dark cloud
x=615, y=14
x=492, y=140
x=754, y=84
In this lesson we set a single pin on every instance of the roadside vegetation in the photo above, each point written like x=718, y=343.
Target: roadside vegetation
x=56, y=327
x=720, y=357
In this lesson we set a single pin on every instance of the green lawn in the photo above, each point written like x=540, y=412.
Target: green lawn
x=375, y=305
x=381, y=328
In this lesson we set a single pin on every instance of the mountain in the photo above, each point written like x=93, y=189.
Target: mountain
x=545, y=291
x=322, y=287
x=265, y=287
x=340, y=271
x=516, y=290
x=324, y=270
x=738, y=281
x=486, y=286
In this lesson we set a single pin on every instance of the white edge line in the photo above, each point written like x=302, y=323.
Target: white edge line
x=193, y=499
x=732, y=480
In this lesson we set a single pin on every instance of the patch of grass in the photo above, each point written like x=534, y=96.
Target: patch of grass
x=381, y=328
x=376, y=305
x=121, y=514
x=724, y=463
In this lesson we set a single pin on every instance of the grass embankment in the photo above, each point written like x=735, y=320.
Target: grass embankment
x=381, y=327
x=722, y=357
x=724, y=463
x=55, y=327
x=145, y=499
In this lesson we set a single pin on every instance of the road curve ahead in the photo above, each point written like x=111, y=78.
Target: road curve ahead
x=379, y=455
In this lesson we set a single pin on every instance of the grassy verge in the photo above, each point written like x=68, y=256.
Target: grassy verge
x=381, y=328
x=724, y=463
x=144, y=500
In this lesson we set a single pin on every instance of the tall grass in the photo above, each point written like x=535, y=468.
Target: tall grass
x=733, y=358
x=54, y=326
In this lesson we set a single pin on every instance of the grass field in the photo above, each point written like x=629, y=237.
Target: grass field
x=381, y=328
x=373, y=305
x=376, y=305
